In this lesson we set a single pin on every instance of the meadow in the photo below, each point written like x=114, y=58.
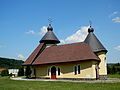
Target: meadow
x=8, y=84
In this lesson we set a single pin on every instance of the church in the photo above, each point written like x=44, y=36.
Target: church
x=81, y=60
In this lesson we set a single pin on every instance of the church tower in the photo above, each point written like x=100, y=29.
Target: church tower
x=49, y=38
x=99, y=50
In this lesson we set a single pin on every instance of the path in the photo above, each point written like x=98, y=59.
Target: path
x=110, y=80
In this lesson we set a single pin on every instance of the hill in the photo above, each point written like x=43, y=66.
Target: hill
x=10, y=63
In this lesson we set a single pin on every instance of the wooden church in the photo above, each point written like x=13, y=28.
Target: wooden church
x=82, y=60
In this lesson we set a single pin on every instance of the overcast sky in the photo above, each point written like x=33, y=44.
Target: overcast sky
x=24, y=22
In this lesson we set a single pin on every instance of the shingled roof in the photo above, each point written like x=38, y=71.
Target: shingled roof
x=93, y=42
x=66, y=53
x=34, y=54
x=49, y=37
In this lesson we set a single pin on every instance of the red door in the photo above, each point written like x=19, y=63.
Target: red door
x=53, y=73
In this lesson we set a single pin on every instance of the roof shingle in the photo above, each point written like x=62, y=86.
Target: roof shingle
x=93, y=42
x=32, y=57
x=66, y=53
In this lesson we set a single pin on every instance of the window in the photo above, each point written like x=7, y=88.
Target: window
x=75, y=70
x=78, y=69
x=105, y=58
x=48, y=71
x=105, y=62
x=58, y=71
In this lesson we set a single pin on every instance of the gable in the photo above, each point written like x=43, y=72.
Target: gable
x=34, y=54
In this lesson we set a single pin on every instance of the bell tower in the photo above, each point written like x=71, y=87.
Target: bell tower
x=99, y=50
x=49, y=38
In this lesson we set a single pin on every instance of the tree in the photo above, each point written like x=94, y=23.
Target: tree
x=21, y=71
x=28, y=72
x=113, y=70
x=5, y=73
x=108, y=69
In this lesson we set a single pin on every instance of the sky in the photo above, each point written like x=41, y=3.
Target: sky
x=23, y=23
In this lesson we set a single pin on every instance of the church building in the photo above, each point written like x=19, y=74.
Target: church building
x=81, y=60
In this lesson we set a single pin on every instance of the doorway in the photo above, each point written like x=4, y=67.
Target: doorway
x=97, y=72
x=53, y=72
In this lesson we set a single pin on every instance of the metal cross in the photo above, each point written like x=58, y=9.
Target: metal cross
x=90, y=22
x=50, y=20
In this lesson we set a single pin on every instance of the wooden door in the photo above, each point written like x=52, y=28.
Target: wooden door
x=53, y=72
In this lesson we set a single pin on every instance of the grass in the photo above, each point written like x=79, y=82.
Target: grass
x=8, y=84
x=114, y=76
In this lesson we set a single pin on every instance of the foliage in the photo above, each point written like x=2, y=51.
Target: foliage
x=113, y=68
x=21, y=71
x=28, y=72
x=10, y=63
x=5, y=73
x=7, y=84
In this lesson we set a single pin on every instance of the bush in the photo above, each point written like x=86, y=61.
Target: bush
x=21, y=72
x=5, y=73
x=113, y=68
x=28, y=72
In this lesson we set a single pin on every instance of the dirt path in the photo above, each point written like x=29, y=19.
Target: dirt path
x=109, y=80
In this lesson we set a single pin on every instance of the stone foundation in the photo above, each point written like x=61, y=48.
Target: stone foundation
x=103, y=77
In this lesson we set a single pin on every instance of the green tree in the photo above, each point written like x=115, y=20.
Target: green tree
x=21, y=71
x=108, y=69
x=113, y=70
x=5, y=73
x=28, y=72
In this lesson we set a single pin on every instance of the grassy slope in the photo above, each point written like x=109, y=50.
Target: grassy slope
x=7, y=84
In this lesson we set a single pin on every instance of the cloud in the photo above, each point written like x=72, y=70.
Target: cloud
x=21, y=57
x=62, y=42
x=30, y=32
x=117, y=48
x=78, y=36
x=113, y=14
x=43, y=30
x=116, y=19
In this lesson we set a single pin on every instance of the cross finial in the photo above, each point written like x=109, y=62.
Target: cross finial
x=50, y=20
x=49, y=28
x=90, y=29
x=90, y=23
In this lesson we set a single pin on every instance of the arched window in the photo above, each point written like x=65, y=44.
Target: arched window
x=75, y=70
x=58, y=71
x=78, y=69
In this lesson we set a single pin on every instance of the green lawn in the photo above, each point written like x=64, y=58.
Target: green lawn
x=7, y=84
x=113, y=75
